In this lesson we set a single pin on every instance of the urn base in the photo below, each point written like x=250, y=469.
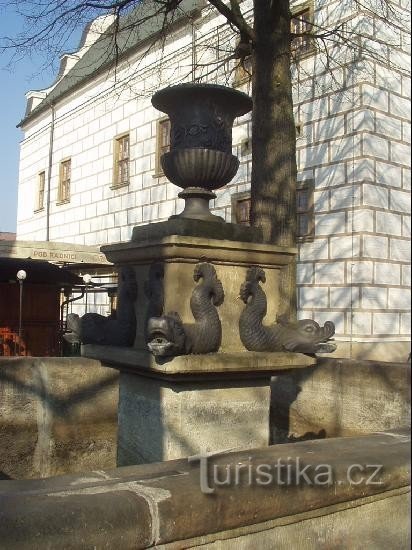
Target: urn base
x=197, y=205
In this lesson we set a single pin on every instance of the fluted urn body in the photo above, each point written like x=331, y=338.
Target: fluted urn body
x=200, y=157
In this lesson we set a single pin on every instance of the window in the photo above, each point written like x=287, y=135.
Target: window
x=121, y=161
x=241, y=208
x=304, y=209
x=40, y=191
x=301, y=25
x=241, y=204
x=243, y=211
x=64, y=181
x=163, y=142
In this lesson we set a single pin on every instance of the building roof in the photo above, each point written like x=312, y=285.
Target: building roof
x=51, y=251
x=38, y=272
x=141, y=25
x=7, y=236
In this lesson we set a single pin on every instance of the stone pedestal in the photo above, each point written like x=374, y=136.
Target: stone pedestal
x=179, y=406
x=193, y=404
x=177, y=246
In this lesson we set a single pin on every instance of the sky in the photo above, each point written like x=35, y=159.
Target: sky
x=29, y=73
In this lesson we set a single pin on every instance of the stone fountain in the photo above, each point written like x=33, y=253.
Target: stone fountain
x=197, y=375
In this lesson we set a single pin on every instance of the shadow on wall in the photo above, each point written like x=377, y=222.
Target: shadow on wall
x=57, y=415
x=339, y=398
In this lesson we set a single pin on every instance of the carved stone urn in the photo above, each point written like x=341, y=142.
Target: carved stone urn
x=200, y=157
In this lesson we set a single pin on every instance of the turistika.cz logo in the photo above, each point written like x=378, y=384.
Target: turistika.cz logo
x=292, y=471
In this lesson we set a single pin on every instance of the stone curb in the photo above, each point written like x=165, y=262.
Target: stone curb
x=141, y=506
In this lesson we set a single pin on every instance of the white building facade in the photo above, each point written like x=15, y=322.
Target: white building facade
x=89, y=163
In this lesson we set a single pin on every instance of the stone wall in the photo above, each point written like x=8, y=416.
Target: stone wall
x=340, y=398
x=57, y=415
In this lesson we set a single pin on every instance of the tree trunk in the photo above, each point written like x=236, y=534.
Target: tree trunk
x=273, y=182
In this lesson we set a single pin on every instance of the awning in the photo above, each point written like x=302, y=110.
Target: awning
x=38, y=272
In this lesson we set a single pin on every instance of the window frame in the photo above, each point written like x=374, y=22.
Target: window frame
x=299, y=51
x=41, y=188
x=306, y=186
x=64, y=184
x=236, y=198
x=160, y=148
x=117, y=161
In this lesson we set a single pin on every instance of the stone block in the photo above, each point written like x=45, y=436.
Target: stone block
x=400, y=106
x=158, y=193
x=161, y=420
x=399, y=298
x=334, y=174
x=345, y=148
x=400, y=201
x=319, y=250
x=401, y=153
x=360, y=170
x=385, y=323
x=304, y=273
x=313, y=297
x=316, y=109
x=400, y=249
x=406, y=86
x=120, y=218
x=387, y=274
x=374, y=297
x=143, y=164
x=374, y=146
x=344, y=297
x=375, y=97
x=329, y=128
x=312, y=156
x=345, y=247
x=331, y=272
x=360, y=323
x=406, y=132
x=406, y=275
x=167, y=209
x=150, y=212
x=344, y=101
x=362, y=120
x=330, y=224
x=321, y=201
x=388, y=126
x=387, y=222
x=360, y=220
x=405, y=323
x=359, y=272
x=345, y=197
x=374, y=195
x=113, y=235
x=375, y=247
x=102, y=207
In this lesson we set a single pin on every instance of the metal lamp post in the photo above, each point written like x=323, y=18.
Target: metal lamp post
x=87, y=278
x=21, y=276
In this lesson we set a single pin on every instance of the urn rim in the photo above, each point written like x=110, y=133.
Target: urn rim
x=166, y=99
